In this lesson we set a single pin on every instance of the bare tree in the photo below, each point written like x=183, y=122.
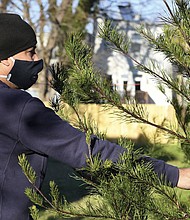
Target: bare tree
x=48, y=18
x=3, y=5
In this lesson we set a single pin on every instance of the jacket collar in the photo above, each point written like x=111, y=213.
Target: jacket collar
x=3, y=85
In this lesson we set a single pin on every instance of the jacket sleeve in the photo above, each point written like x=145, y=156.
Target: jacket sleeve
x=43, y=132
x=166, y=172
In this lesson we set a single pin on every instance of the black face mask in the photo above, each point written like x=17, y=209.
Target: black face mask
x=25, y=73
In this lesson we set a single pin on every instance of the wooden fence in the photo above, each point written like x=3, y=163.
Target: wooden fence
x=114, y=127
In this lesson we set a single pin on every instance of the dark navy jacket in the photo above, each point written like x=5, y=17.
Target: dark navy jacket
x=27, y=126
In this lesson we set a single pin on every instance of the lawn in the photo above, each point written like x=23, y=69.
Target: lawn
x=76, y=193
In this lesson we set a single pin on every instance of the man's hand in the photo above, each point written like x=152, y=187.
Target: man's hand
x=184, y=178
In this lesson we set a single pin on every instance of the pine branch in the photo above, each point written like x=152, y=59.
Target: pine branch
x=130, y=180
x=101, y=88
x=34, y=212
x=129, y=190
x=180, y=14
x=38, y=197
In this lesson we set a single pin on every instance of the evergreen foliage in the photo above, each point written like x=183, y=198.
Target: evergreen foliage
x=128, y=189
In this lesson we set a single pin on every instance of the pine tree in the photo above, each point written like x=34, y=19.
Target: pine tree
x=127, y=189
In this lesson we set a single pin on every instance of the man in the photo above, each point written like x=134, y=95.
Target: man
x=28, y=127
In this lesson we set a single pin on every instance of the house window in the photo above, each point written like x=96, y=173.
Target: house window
x=125, y=85
x=137, y=86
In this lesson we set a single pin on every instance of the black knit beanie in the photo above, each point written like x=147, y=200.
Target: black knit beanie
x=15, y=35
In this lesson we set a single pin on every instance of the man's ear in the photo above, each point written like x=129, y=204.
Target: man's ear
x=5, y=62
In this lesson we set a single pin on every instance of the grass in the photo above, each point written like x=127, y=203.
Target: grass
x=75, y=192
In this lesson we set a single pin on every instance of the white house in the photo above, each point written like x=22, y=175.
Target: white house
x=121, y=69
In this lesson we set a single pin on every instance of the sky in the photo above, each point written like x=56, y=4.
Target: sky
x=149, y=9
